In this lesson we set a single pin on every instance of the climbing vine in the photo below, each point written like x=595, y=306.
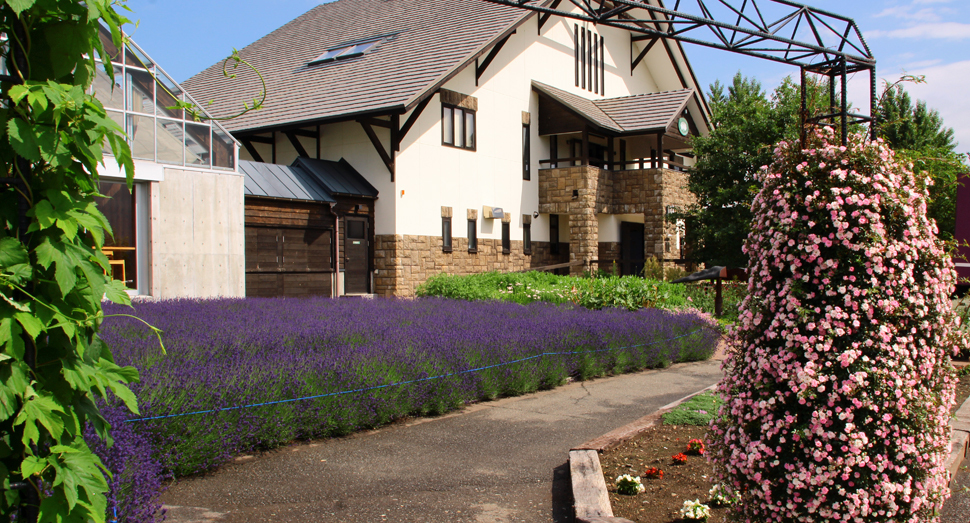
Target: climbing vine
x=53, y=365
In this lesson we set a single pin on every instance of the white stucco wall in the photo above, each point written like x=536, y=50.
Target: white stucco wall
x=430, y=175
x=197, y=235
x=609, y=225
x=433, y=175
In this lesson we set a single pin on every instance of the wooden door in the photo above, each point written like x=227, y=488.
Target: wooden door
x=631, y=248
x=356, y=256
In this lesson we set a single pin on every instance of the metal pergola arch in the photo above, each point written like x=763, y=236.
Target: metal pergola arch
x=837, y=47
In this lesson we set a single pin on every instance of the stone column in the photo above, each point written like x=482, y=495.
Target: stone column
x=653, y=215
x=583, y=225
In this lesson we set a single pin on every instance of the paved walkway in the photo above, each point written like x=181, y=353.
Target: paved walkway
x=495, y=462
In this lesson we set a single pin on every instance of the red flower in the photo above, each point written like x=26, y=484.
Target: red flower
x=680, y=458
x=696, y=446
x=653, y=473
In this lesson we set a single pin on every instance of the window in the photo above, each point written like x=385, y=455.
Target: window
x=589, y=60
x=458, y=127
x=506, y=240
x=527, y=238
x=143, y=100
x=554, y=233
x=345, y=51
x=526, y=152
x=446, y=233
x=119, y=208
x=472, y=236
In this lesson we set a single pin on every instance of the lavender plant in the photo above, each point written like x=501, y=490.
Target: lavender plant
x=229, y=353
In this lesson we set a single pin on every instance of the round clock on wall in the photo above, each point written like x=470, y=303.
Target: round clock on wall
x=683, y=127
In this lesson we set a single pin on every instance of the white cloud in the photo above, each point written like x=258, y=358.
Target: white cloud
x=945, y=30
x=941, y=92
x=923, y=15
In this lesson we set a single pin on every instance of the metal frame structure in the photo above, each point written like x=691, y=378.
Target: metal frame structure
x=835, y=46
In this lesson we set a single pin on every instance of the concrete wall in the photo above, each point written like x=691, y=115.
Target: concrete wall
x=197, y=234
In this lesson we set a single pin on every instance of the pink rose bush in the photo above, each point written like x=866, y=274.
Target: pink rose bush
x=838, y=383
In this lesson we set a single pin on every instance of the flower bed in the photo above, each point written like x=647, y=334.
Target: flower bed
x=669, y=486
x=224, y=354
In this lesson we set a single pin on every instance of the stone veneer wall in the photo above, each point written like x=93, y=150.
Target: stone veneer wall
x=609, y=255
x=585, y=191
x=404, y=262
x=676, y=193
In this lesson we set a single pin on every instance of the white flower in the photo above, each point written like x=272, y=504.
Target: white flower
x=695, y=510
x=627, y=484
x=722, y=494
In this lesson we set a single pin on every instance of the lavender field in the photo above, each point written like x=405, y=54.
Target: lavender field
x=223, y=354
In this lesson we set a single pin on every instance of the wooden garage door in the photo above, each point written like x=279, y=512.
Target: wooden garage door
x=291, y=257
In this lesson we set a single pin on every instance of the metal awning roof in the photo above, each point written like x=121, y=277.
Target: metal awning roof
x=339, y=178
x=625, y=114
x=281, y=181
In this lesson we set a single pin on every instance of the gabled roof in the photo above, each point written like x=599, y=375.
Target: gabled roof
x=280, y=181
x=624, y=114
x=423, y=43
x=339, y=178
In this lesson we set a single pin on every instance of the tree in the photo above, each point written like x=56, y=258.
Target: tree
x=919, y=137
x=53, y=365
x=745, y=127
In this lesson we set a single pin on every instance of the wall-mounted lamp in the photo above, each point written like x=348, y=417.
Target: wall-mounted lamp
x=535, y=214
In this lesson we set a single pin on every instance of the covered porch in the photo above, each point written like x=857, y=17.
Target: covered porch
x=616, y=173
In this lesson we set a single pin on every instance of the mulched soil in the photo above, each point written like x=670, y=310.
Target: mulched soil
x=663, y=499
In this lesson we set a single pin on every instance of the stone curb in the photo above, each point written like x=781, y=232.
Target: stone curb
x=959, y=438
x=591, y=501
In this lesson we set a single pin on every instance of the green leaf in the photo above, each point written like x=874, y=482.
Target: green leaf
x=47, y=254
x=31, y=324
x=117, y=292
x=95, y=278
x=10, y=338
x=43, y=211
x=32, y=465
x=66, y=277
x=12, y=252
x=8, y=403
x=19, y=6
x=40, y=409
x=23, y=139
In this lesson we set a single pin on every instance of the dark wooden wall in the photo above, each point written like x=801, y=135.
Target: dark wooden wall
x=289, y=248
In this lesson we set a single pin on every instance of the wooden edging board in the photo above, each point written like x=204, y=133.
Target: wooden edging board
x=591, y=501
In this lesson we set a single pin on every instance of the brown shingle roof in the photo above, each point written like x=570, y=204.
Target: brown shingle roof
x=427, y=40
x=624, y=114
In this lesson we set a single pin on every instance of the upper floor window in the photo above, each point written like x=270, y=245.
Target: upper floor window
x=590, y=60
x=457, y=127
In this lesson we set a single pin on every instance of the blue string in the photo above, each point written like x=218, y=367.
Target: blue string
x=409, y=382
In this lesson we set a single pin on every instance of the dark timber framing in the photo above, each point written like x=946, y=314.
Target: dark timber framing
x=391, y=122
x=480, y=68
x=837, y=48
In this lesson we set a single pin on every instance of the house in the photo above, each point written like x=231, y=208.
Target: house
x=179, y=231
x=493, y=138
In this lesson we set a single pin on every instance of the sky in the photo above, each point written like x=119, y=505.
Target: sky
x=912, y=37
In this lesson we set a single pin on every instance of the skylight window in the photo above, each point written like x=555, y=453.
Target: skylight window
x=344, y=52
